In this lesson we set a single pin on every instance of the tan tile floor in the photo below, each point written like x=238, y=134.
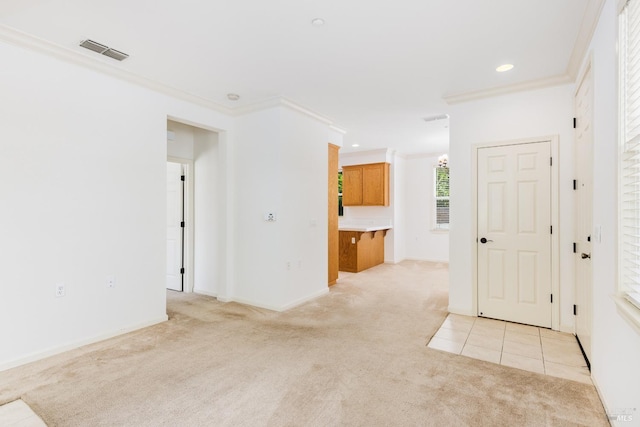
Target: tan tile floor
x=19, y=414
x=511, y=344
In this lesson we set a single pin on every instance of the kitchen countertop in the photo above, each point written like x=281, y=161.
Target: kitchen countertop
x=363, y=228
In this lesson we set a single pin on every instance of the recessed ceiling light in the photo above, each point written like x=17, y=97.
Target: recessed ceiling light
x=504, y=67
x=233, y=96
x=317, y=22
x=355, y=145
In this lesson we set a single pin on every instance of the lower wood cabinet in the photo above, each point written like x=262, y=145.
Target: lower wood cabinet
x=360, y=250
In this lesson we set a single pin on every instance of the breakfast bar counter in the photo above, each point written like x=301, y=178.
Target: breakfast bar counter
x=361, y=247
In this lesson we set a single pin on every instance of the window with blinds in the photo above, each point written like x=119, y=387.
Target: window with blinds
x=629, y=54
x=441, y=192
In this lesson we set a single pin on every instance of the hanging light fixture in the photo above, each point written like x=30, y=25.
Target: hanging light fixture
x=443, y=161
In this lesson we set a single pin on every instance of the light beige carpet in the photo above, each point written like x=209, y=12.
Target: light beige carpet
x=355, y=357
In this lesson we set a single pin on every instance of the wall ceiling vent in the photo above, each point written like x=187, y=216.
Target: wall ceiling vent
x=103, y=50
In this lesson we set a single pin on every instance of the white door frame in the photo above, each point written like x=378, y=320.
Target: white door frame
x=586, y=342
x=189, y=223
x=555, y=221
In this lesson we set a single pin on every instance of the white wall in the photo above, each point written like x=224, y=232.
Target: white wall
x=303, y=212
x=542, y=112
x=422, y=241
x=281, y=168
x=398, y=192
x=616, y=346
x=182, y=145
x=209, y=205
x=82, y=180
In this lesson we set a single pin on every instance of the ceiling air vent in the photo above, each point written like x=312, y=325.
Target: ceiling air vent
x=436, y=118
x=104, y=50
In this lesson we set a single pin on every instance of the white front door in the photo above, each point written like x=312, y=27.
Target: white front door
x=514, y=233
x=175, y=211
x=583, y=216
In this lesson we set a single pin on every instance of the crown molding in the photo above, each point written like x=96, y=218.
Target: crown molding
x=21, y=39
x=337, y=129
x=384, y=151
x=28, y=41
x=503, y=90
x=587, y=29
x=280, y=101
x=426, y=155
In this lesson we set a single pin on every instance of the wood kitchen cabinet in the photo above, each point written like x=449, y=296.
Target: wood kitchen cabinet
x=360, y=250
x=365, y=185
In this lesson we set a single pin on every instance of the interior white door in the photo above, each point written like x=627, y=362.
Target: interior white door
x=514, y=233
x=175, y=211
x=583, y=213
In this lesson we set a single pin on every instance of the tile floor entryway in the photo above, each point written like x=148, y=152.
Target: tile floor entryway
x=19, y=414
x=511, y=344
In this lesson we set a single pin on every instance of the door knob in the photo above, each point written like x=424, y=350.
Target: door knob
x=484, y=240
x=585, y=256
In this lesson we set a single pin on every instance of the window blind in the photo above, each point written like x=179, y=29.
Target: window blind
x=629, y=51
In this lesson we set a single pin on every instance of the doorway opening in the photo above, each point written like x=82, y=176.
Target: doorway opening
x=195, y=215
x=176, y=223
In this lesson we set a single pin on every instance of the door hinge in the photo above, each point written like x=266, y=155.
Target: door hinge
x=182, y=178
x=575, y=123
x=551, y=298
x=182, y=270
x=551, y=229
x=575, y=310
x=182, y=224
x=550, y=161
x=588, y=238
x=575, y=184
x=575, y=248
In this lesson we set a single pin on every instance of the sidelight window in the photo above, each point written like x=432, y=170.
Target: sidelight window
x=441, y=199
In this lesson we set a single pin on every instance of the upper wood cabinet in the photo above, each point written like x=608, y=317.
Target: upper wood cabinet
x=365, y=185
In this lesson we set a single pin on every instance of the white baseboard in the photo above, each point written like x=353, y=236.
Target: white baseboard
x=308, y=298
x=462, y=312
x=281, y=308
x=441, y=261
x=615, y=419
x=207, y=293
x=76, y=344
x=568, y=329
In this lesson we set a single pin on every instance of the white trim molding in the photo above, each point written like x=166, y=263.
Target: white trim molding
x=503, y=90
x=28, y=41
x=629, y=312
x=77, y=344
x=587, y=28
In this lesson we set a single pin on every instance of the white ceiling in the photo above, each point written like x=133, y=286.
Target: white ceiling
x=376, y=68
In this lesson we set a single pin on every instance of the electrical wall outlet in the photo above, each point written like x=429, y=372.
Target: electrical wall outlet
x=111, y=281
x=60, y=290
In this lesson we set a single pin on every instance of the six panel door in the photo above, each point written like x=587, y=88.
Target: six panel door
x=514, y=233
